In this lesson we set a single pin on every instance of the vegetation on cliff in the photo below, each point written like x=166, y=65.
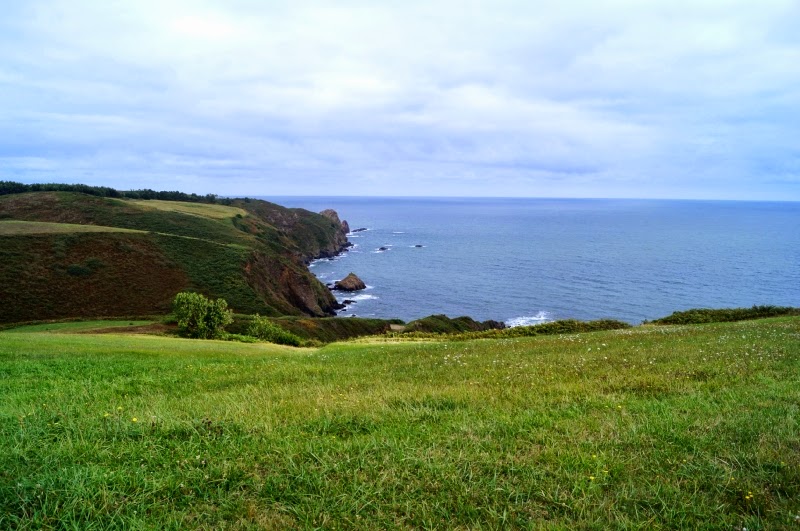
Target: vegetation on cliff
x=70, y=254
x=721, y=315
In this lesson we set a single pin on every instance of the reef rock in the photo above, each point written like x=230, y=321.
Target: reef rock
x=350, y=283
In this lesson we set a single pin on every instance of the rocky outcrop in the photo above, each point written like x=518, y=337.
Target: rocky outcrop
x=350, y=283
x=334, y=216
x=342, y=229
x=310, y=235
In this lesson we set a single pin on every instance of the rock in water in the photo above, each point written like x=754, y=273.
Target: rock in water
x=350, y=283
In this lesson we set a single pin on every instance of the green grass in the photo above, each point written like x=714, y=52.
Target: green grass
x=76, y=326
x=677, y=427
x=16, y=228
x=198, y=209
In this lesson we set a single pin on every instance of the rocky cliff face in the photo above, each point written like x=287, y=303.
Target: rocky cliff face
x=309, y=236
x=339, y=243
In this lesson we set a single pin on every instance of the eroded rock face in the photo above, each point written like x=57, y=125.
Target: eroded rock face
x=350, y=283
x=340, y=243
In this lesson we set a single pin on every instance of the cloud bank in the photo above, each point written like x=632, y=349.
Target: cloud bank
x=613, y=98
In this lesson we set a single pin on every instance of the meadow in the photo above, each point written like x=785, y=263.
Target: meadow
x=651, y=427
x=21, y=228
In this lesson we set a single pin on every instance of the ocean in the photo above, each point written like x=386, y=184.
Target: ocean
x=526, y=261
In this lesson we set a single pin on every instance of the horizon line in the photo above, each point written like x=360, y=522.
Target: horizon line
x=293, y=196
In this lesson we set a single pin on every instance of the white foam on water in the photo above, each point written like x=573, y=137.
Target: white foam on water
x=362, y=297
x=398, y=232
x=529, y=320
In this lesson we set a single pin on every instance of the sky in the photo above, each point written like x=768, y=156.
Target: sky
x=679, y=99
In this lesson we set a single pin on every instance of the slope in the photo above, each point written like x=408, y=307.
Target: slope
x=65, y=254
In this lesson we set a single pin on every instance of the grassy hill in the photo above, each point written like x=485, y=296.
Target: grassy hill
x=67, y=254
x=652, y=427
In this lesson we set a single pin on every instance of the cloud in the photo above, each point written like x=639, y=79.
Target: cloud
x=616, y=97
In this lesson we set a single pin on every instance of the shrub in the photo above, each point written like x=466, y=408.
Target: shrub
x=266, y=330
x=200, y=317
x=441, y=324
x=708, y=315
x=565, y=326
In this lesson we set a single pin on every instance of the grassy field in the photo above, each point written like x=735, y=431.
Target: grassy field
x=198, y=209
x=669, y=427
x=15, y=228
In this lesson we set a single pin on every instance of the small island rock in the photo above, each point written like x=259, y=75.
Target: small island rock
x=350, y=283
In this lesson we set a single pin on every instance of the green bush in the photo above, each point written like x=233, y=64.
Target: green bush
x=708, y=315
x=200, y=317
x=266, y=330
x=441, y=324
x=567, y=326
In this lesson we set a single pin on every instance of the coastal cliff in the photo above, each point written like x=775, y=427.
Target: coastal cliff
x=67, y=254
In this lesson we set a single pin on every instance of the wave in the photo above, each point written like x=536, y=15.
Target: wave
x=529, y=320
x=361, y=297
x=398, y=232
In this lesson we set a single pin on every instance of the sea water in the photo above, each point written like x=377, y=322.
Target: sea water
x=525, y=261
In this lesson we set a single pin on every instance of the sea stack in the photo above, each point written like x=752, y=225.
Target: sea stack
x=350, y=283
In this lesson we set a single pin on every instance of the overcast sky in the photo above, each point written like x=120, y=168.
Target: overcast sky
x=618, y=98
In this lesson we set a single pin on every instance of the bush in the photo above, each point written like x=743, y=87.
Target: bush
x=200, y=317
x=441, y=324
x=708, y=315
x=565, y=326
x=266, y=330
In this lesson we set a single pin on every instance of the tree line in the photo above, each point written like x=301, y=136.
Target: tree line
x=11, y=187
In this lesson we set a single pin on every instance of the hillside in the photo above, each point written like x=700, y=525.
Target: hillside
x=67, y=254
x=652, y=427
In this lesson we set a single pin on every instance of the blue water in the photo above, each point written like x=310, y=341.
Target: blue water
x=527, y=260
